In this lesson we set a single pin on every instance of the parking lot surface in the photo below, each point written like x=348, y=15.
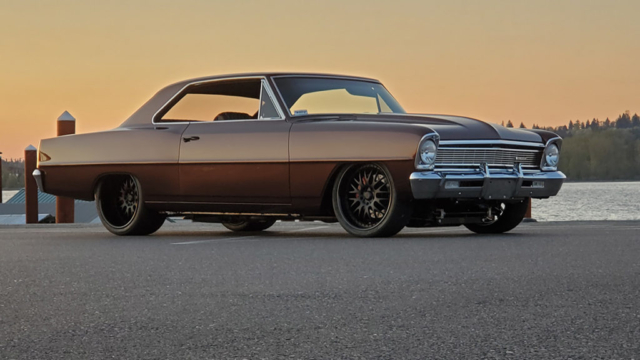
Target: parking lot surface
x=310, y=291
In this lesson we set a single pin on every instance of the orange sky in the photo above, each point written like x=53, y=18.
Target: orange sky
x=538, y=61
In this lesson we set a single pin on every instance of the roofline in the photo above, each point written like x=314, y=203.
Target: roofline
x=269, y=75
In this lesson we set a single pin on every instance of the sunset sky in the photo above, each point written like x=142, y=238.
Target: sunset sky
x=538, y=61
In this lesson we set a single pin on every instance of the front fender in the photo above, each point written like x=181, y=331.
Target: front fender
x=318, y=149
x=353, y=141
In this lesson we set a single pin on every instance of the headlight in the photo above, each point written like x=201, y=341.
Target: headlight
x=427, y=150
x=552, y=156
x=428, y=153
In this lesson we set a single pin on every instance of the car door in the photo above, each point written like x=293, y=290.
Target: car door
x=238, y=158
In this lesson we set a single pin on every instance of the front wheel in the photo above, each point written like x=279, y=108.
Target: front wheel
x=366, y=203
x=504, y=217
x=120, y=203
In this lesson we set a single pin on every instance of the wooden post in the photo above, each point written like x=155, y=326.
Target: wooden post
x=65, y=207
x=30, y=185
x=0, y=178
x=527, y=216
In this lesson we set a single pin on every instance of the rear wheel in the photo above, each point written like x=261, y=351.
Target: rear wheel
x=366, y=203
x=503, y=217
x=241, y=224
x=120, y=204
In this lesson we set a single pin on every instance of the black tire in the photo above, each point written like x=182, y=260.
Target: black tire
x=511, y=216
x=366, y=203
x=246, y=225
x=120, y=203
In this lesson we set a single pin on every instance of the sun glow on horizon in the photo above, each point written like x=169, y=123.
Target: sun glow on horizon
x=543, y=62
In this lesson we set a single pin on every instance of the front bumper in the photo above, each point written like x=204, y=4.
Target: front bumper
x=485, y=183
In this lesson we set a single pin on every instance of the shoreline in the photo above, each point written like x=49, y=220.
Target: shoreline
x=599, y=181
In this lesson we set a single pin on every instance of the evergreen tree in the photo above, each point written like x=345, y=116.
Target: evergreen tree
x=522, y=126
x=624, y=121
x=635, y=121
x=509, y=124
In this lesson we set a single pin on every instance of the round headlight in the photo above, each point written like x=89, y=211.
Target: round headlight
x=428, y=151
x=552, y=155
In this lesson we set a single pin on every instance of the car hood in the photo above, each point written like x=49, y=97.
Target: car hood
x=454, y=127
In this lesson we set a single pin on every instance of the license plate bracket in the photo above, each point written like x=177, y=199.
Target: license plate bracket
x=497, y=189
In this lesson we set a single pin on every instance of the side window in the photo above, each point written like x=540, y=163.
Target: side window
x=217, y=101
x=205, y=107
x=267, y=108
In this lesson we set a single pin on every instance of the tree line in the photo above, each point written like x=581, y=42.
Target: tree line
x=12, y=174
x=599, y=150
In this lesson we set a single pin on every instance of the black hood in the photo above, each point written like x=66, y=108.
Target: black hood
x=448, y=127
x=463, y=128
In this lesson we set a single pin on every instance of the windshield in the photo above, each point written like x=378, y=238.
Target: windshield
x=309, y=95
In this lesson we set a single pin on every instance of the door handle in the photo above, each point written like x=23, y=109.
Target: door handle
x=191, y=138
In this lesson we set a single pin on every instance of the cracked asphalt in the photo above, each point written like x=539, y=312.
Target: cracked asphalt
x=308, y=291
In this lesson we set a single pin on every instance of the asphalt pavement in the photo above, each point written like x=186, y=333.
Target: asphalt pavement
x=309, y=291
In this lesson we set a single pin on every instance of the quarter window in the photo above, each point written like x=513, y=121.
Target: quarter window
x=267, y=109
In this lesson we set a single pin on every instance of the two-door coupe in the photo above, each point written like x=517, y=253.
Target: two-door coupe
x=247, y=150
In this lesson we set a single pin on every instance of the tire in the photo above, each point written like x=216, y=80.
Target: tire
x=511, y=216
x=246, y=225
x=366, y=203
x=120, y=203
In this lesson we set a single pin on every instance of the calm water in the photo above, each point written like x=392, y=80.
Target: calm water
x=576, y=201
x=591, y=201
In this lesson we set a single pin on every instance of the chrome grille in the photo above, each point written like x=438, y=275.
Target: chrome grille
x=461, y=156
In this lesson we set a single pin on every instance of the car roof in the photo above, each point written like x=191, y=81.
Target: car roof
x=271, y=74
x=145, y=113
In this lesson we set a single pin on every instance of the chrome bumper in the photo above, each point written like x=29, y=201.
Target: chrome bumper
x=485, y=183
x=37, y=174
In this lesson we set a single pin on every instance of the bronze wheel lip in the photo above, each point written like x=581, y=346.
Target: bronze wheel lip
x=134, y=206
x=362, y=205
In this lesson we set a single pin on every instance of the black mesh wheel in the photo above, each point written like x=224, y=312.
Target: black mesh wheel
x=120, y=204
x=366, y=203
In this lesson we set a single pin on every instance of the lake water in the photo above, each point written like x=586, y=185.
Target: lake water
x=576, y=201
x=591, y=201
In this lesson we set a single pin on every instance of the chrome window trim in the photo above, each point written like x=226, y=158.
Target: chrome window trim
x=491, y=142
x=179, y=92
x=273, y=99
x=435, y=137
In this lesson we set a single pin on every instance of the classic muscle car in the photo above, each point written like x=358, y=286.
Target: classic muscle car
x=247, y=150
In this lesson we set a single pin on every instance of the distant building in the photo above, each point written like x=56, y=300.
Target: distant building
x=13, y=211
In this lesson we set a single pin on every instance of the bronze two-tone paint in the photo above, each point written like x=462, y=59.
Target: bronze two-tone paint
x=287, y=165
